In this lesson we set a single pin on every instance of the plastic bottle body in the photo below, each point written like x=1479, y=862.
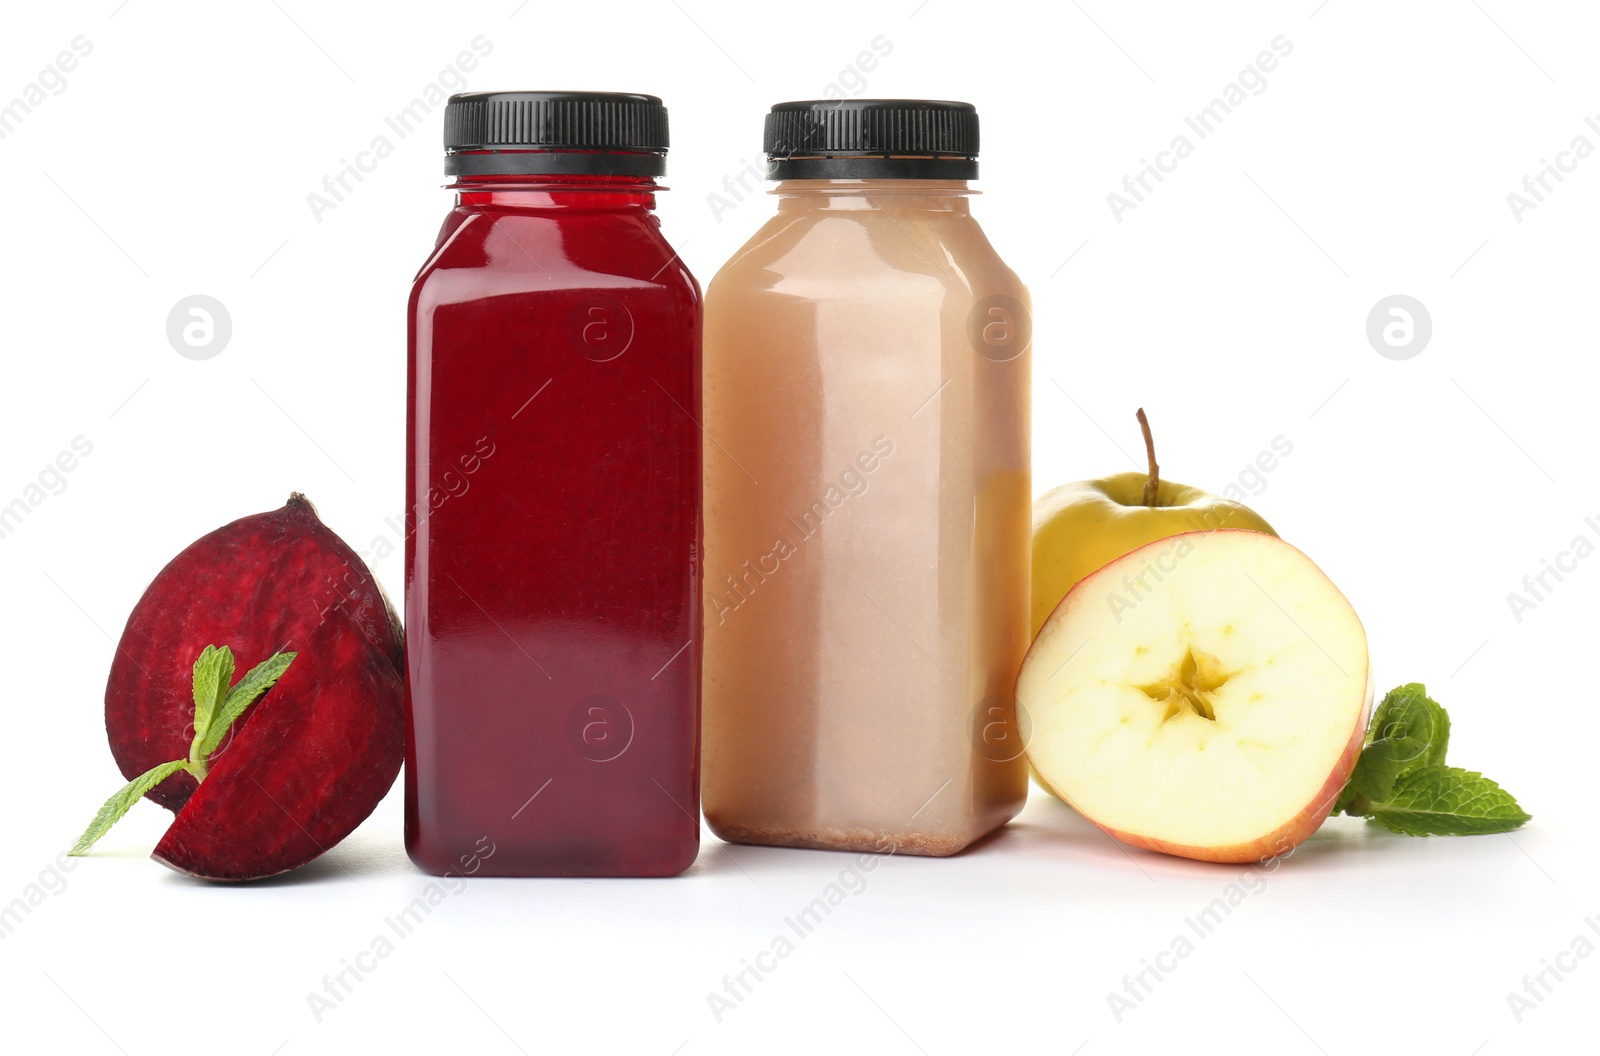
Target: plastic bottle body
x=553, y=536
x=867, y=508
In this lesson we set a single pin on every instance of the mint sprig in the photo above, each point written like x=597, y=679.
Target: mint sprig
x=1402, y=783
x=217, y=706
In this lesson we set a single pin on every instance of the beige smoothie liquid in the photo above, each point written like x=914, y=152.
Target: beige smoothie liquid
x=866, y=400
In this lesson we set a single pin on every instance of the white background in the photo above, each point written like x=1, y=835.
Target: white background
x=1231, y=303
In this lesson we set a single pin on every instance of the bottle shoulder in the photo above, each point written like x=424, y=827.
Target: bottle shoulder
x=554, y=249
x=813, y=252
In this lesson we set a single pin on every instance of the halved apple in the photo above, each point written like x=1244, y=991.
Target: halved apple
x=1205, y=695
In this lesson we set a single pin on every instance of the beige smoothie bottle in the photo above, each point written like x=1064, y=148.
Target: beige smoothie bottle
x=866, y=401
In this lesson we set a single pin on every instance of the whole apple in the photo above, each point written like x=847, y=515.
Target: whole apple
x=1081, y=527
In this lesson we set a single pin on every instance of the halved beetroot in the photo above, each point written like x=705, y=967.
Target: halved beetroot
x=312, y=758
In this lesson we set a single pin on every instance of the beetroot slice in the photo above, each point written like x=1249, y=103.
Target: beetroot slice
x=319, y=752
x=263, y=584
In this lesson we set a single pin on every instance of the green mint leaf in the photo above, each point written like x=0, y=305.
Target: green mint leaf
x=1380, y=766
x=1408, y=732
x=120, y=803
x=213, y=674
x=1447, y=801
x=1407, y=713
x=257, y=681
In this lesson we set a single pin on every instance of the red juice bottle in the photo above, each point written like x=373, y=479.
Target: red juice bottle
x=553, y=502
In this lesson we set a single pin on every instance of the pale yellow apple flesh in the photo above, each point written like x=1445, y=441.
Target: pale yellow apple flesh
x=1205, y=695
x=1078, y=527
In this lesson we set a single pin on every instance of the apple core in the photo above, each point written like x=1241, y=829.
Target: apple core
x=1188, y=688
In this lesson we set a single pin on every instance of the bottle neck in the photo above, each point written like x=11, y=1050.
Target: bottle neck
x=554, y=192
x=939, y=196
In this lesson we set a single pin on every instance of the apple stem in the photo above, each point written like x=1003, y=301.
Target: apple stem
x=1152, y=486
